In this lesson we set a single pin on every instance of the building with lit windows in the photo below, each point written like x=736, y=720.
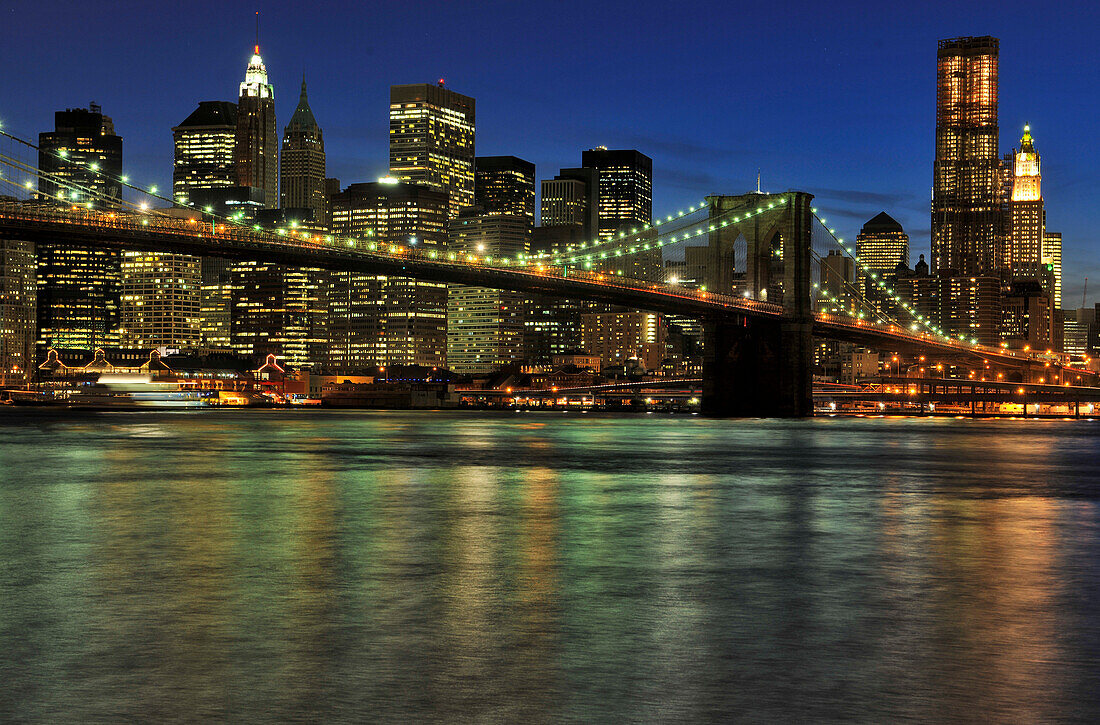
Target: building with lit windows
x=257, y=141
x=505, y=185
x=966, y=183
x=572, y=199
x=432, y=140
x=302, y=185
x=625, y=182
x=837, y=271
x=485, y=326
x=18, y=294
x=380, y=320
x=79, y=288
x=1023, y=248
x=620, y=336
x=1052, y=258
x=205, y=144
x=160, y=300
x=882, y=245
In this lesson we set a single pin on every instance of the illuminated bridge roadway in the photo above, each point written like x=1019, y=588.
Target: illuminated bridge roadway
x=740, y=318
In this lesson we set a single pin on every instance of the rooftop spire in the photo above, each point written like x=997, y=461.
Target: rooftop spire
x=1027, y=144
x=257, y=32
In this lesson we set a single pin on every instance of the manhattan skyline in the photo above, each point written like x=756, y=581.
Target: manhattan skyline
x=839, y=104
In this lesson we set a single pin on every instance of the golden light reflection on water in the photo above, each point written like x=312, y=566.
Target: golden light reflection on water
x=249, y=568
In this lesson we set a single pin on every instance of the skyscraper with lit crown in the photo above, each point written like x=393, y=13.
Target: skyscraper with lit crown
x=1027, y=218
x=257, y=142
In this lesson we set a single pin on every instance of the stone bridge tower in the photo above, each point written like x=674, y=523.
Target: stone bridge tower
x=755, y=367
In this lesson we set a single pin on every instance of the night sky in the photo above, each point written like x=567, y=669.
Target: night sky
x=837, y=99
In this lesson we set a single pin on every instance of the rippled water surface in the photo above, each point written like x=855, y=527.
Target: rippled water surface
x=275, y=566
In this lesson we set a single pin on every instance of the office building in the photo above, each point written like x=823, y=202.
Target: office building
x=380, y=320
x=257, y=141
x=572, y=199
x=505, y=185
x=625, y=182
x=1028, y=318
x=302, y=184
x=432, y=141
x=620, y=336
x=881, y=245
x=79, y=288
x=966, y=184
x=205, y=144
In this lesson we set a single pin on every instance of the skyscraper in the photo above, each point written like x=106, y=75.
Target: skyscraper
x=882, y=245
x=204, y=174
x=1027, y=218
x=79, y=288
x=432, y=140
x=303, y=163
x=205, y=144
x=279, y=310
x=505, y=185
x=81, y=159
x=966, y=184
x=380, y=320
x=484, y=325
x=625, y=182
x=257, y=142
x=572, y=198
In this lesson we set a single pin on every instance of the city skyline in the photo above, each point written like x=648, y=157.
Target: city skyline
x=839, y=157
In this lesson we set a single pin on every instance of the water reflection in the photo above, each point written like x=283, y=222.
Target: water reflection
x=263, y=567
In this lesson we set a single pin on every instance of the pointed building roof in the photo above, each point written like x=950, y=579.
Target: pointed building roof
x=883, y=222
x=212, y=113
x=303, y=114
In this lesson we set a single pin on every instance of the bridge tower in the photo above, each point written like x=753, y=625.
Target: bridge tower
x=756, y=367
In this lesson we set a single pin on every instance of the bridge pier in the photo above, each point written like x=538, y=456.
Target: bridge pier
x=757, y=369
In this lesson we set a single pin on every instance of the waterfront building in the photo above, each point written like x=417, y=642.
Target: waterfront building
x=18, y=296
x=79, y=288
x=160, y=304
x=257, y=142
x=432, y=141
x=485, y=326
x=302, y=185
x=376, y=319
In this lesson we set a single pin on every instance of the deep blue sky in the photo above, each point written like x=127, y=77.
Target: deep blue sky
x=837, y=99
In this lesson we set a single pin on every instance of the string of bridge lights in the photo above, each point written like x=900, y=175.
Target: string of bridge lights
x=920, y=319
x=704, y=227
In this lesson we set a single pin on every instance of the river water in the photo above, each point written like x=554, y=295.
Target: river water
x=274, y=566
